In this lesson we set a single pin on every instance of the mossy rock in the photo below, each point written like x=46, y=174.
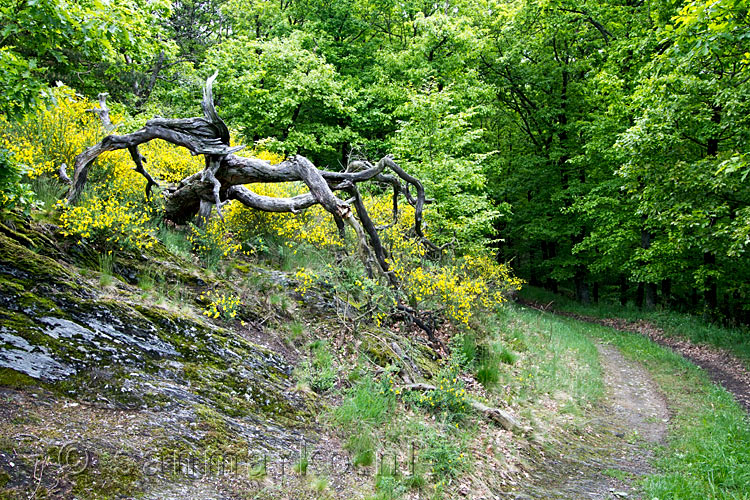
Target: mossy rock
x=60, y=330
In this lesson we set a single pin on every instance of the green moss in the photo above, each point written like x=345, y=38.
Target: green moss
x=218, y=438
x=242, y=267
x=111, y=476
x=29, y=262
x=10, y=287
x=23, y=326
x=41, y=306
x=15, y=380
x=20, y=238
x=106, y=383
x=234, y=377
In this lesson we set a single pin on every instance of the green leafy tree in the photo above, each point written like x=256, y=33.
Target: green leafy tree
x=91, y=44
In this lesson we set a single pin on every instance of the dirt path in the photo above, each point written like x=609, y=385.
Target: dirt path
x=723, y=368
x=617, y=445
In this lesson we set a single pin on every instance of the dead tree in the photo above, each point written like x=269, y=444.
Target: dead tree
x=225, y=174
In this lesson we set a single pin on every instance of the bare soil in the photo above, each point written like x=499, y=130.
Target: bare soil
x=616, y=446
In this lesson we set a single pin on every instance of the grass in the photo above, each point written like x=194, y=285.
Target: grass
x=106, y=264
x=147, y=280
x=549, y=357
x=519, y=356
x=708, y=450
x=319, y=484
x=320, y=372
x=695, y=328
x=175, y=241
x=489, y=363
x=48, y=191
x=488, y=373
x=365, y=408
x=296, y=331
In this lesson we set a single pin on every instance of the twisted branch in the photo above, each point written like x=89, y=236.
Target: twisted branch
x=225, y=175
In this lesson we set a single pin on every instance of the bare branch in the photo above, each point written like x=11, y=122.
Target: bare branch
x=103, y=112
x=138, y=159
x=225, y=175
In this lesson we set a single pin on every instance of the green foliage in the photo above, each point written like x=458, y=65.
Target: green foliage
x=282, y=91
x=47, y=40
x=14, y=193
x=596, y=146
x=320, y=371
x=437, y=140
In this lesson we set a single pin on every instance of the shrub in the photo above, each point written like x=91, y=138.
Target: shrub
x=13, y=192
x=445, y=456
x=449, y=397
x=108, y=223
x=52, y=133
x=213, y=241
x=459, y=288
x=220, y=305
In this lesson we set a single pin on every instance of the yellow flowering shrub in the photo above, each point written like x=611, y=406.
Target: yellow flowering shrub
x=108, y=223
x=458, y=288
x=57, y=132
x=113, y=213
x=220, y=305
x=169, y=163
x=313, y=226
x=52, y=134
x=306, y=279
x=213, y=241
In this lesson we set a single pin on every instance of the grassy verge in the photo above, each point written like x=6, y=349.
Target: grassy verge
x=708, y=450
x=525, y=362
x=695, y=328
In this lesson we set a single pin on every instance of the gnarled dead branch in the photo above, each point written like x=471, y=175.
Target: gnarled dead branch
x=225, y=175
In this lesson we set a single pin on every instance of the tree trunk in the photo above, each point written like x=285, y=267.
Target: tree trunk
x=649, y=298
x=639, y=296
x=647, y=291
x=709, y=258
x=623, y=290
x=582, y=287
x=710, y=295
x=666, y=292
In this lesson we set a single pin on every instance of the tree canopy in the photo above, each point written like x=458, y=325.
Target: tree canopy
x=601, y=147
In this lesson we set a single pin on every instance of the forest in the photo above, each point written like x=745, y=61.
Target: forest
x=599, y=147
x=471, y=249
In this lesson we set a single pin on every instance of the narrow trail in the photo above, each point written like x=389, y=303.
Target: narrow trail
x=617, y=445
x=724, y=368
